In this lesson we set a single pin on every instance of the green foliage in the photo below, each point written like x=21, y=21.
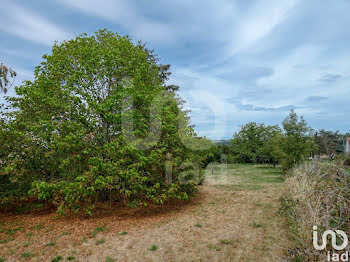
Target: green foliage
x=56, y=259
x=226, y=241
x=153, y=248
x=295, y=144
x=214, y=247
x=100, y=241
x=50, y=244
x=211, y=154
x=257, y=143
x=253, y=143
x=97, y=230
x=97, y=123
x=26, y=255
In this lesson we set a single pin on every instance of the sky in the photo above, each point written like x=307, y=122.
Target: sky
x=235, y=61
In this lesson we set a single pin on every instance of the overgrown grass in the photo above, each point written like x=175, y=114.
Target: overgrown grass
x=315, y=194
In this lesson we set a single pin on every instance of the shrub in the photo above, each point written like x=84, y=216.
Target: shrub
x=316, y=194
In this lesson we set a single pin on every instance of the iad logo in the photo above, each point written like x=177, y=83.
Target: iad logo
x=333, y=235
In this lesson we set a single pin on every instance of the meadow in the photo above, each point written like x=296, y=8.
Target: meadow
x=238, y=220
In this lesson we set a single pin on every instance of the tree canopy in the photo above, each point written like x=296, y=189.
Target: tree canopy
x=295, y=144
x=252, y=143
x=98, y=122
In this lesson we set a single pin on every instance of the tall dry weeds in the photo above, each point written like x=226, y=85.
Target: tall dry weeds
x=316, y=194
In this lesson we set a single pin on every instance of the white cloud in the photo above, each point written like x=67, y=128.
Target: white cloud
x=122, y=12
x=25, y=24
x=263, y=17
x=229, y=57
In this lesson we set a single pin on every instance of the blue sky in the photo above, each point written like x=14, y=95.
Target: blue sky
x=235, y=61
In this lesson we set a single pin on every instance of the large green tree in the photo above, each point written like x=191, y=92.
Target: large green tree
x=98, y=122
x=252, y=143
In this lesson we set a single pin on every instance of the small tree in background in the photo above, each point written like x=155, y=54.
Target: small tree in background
x=327, y=142
x=295, y=144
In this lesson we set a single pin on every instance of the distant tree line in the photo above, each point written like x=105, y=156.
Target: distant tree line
x=290, y=145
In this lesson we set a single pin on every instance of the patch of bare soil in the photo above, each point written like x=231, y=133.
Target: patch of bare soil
x=218, y=225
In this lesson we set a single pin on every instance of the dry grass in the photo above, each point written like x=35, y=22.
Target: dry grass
x=235, y=225
x=316, y=194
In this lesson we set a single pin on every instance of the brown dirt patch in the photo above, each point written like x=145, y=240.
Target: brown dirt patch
x=218, y=225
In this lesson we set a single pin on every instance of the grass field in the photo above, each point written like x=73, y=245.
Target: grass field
x=233, y=218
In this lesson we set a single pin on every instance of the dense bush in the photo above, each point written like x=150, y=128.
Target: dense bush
x=316, y=194
x=97, y=123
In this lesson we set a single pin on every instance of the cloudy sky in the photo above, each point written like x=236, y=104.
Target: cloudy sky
x=236, y=61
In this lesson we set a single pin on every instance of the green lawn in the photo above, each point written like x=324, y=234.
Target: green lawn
x=245, y=176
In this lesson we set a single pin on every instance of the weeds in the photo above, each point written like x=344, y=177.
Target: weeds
x=26, y=255
x=65, y=233
x=38, y=226
x=100, y=241
x=29, y=234
x=50, y=244
x=56, y=259
x=153, y=248
x=214, y=247
x=257, y=225
x=226, y=242
x=315, y=194
x=97, y=230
